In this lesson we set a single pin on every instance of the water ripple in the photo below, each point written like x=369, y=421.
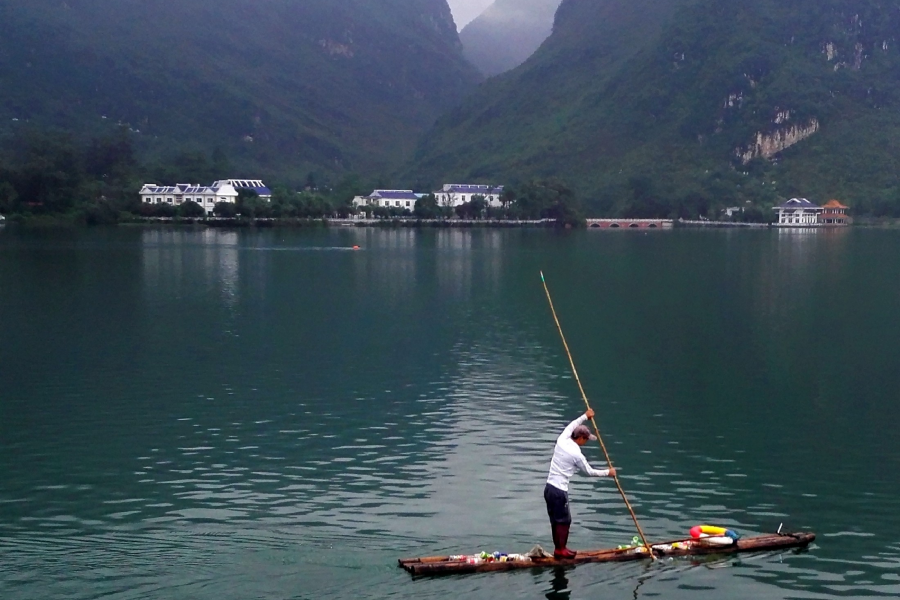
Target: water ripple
x=283, y=423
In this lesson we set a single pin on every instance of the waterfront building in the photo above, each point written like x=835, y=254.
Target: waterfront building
x=402, y=199
x=834, y=213
x=455, y=194
x=207, y=196
x=255, y=185
x=798, y=212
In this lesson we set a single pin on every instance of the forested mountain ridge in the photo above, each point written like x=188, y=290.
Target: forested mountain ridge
x=279, y=86
x=507, y=33
x=674, y=106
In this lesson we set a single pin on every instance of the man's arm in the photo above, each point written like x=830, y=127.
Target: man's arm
x=587, y=469
x=567, y=432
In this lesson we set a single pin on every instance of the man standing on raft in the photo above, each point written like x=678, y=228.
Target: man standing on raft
x=567, y=457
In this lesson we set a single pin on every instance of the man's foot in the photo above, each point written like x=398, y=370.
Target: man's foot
x=565, y=553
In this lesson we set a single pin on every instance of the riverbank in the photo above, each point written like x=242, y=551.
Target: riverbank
x=69, y=220
x=76, y=220
x=399, y=222
x=692, y=223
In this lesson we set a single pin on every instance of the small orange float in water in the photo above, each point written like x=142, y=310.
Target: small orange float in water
x=356, y=247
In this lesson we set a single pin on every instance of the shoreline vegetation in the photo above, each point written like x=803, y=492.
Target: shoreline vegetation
x=69, y=220
x=52, y=179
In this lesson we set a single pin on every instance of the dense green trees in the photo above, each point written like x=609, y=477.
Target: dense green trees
x=250, y=205
x=286, y=204
x=225, y=210
x=546, y=199
x=189, y=167
x=9, y=197
x=474, y=209
x=190, y=210
x=427, y=208
x=97, y=181
x=164, y=210
x=53, y=173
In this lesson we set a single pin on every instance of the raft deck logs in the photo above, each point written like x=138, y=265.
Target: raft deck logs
x=446, y=565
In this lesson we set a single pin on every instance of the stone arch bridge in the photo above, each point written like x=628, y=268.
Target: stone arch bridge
x=629, y=223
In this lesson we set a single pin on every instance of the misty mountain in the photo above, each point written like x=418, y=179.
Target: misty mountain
x=677, y=106
x=280, y=86
x=507, y=33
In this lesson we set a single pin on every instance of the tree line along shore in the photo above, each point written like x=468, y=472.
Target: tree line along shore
x=53, y=179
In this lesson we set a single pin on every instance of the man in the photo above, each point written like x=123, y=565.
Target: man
x=567, y=457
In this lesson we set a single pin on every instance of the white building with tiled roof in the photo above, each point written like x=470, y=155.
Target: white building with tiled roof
x=255, y=185
x=798, y=212
x=455, y=194
x=402, y=199
x=205, y=196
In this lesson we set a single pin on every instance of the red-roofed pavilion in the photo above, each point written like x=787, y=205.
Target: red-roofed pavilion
x=834, y=213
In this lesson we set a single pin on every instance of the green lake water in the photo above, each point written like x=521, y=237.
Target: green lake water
x=215, y=414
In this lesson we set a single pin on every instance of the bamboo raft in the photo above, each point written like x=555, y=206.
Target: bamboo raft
x=443, y=565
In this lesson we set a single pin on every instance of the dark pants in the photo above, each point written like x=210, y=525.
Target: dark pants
x=557, y=505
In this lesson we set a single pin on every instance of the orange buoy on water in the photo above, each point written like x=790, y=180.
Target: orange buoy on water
x=356, y=247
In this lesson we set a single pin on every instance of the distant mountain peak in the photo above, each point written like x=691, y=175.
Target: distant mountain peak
x=670, y=107
x=507, y=33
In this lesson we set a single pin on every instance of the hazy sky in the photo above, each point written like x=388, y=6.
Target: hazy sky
x=466, y=10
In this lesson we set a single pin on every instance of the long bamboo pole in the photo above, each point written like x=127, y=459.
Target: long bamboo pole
x=593, y=422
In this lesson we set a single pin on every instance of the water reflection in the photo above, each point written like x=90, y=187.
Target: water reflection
x=559, y=585
x=394, y=262
x=172, y=268
x=404, y=399
x=386, y=269
x=465, y=254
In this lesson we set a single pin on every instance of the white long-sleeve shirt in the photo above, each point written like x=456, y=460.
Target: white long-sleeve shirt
x=567, y=457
